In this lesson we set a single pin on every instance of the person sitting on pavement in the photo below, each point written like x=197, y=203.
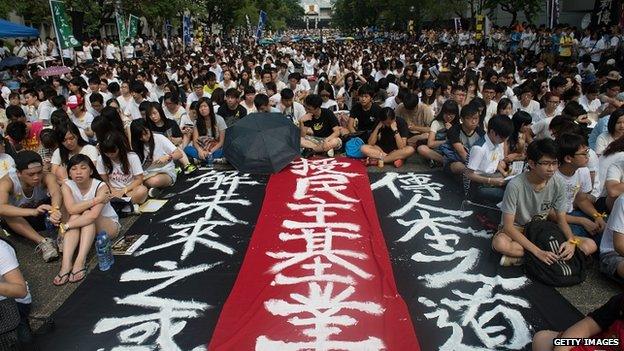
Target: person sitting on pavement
x=536, y=193
x=86, y=198
x=445, y=120
x=363, y=115
x=320, y=130
x=603, y=322
x=157, y=154
x=612, y=243
x=208, y=134
x=388, y=141
x=70, y=143
x=486, y=165
x=460, y=138
x=13, y=286
x=121, y=168
x=26, y=196
x=582, y=216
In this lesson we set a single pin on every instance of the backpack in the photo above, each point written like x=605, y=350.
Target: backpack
x=547, y=236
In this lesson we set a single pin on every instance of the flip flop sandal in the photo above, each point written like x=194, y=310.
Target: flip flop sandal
x=72, y=274
x=61, y=277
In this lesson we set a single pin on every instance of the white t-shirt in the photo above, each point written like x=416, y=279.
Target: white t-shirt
x=117, y=178
x=162, y=146
x=485, y=158
x=8, y=262
x=604, y=166
x=88, y=150
x=308, y=67
x=615, y=224
x=83, y=122
x=602, y=142
x=541, y=129
x=6, y=163
x=579, y=181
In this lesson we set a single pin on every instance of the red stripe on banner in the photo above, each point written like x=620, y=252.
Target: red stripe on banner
x=317, y=274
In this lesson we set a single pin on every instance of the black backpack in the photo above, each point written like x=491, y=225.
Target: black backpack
x=547, y=236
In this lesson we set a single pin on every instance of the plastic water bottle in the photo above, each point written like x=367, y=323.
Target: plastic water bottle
x=49, y=226
x=103, y=251
x=209, y=159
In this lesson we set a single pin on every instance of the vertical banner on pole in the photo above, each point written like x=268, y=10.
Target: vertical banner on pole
x=186, y=29
x=457, y=22
x=63, y=29
x=133, y=26
x=262, y=19
x=122, y=31
x=479, y=27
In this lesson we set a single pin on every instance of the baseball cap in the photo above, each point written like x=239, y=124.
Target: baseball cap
x=27, y=159
x=74, y=101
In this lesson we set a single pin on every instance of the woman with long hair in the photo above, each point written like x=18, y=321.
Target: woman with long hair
x=157, y=154
x=86, y=198
x=121, y=168
x=448, y=116
x=520, y=138
x=615, y=130
x=69, y=143
x=209, y=134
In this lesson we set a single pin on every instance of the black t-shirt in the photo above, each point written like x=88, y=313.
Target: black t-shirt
x=457, y=135
x=608, y=313
x=231, y=116
x=169, y=129
x=322, y=126
x=367, y=120
x=386, y=140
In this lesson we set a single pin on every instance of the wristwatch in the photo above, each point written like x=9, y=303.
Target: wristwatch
x=396, y=132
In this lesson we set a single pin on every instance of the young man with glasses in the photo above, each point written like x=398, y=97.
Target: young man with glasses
x=536, y=193
x=541, y=121
x=575, y=176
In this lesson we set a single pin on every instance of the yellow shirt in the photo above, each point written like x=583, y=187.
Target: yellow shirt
x=565, y=46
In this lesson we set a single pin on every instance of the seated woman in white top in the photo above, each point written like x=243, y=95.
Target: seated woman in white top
x=615, y=129
x=121, y=168
x=70, y=144
x=157, y=154
x=86, y=198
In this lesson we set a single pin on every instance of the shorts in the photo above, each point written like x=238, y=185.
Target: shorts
x=609, y=262
x=319, y=141
x=171, y=173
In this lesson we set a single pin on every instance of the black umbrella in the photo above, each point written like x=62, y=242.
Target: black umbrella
x=262, y=143
x=12, y=61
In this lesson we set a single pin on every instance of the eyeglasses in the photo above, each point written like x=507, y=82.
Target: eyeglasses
x=582, y=153
x=548, y=163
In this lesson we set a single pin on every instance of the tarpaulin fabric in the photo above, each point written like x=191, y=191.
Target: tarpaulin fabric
x=459, y=297
x=15, y=30
x=316, y=275
x=168, y=295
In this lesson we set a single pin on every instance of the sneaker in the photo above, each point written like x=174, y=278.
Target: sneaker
x=48, y=251
x=330, y=153
x=190, y=168
x=220, y=160
x=398, y=163
x=178, y=170
x=154, y=192
x=507, y=261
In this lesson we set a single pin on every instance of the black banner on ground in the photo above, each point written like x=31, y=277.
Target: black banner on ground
x=169, y=294
x=449, y=276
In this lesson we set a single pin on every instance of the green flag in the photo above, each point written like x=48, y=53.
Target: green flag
x=133, y=26
x=121, y=29
x=63, y=28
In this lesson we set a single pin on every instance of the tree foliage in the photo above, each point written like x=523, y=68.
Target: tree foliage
x=530, y=8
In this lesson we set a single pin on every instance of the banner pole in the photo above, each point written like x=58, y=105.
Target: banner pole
x=121, y=48
x=58, y=39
